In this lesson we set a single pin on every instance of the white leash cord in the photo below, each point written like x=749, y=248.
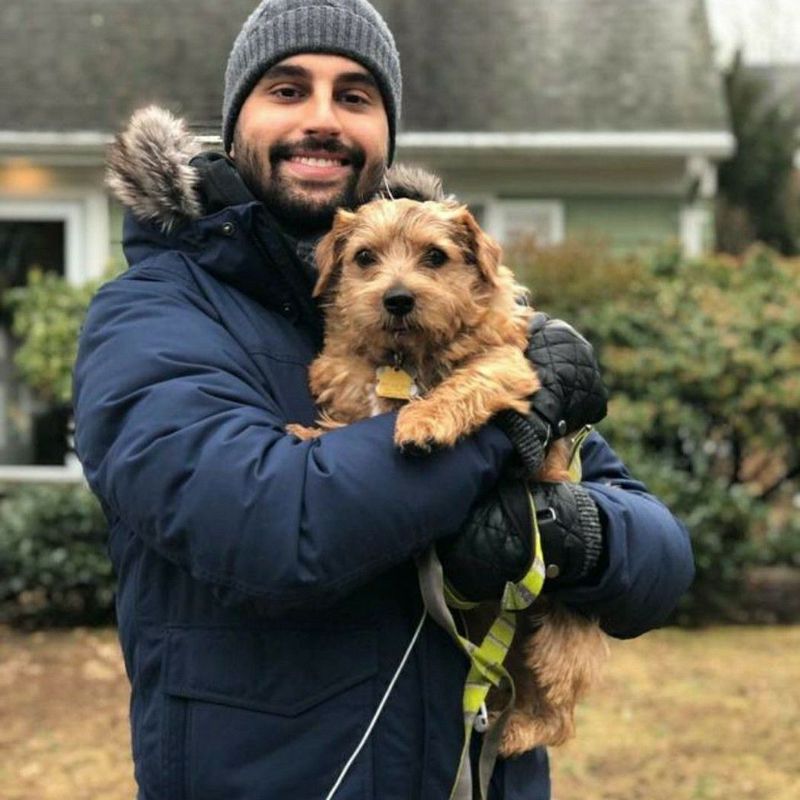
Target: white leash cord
x=379, y=710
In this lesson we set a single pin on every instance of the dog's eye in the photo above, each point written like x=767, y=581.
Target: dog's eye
x=365, y=258
x=435, y=257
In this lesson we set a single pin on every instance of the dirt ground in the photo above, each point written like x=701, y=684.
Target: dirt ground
x=681, y=716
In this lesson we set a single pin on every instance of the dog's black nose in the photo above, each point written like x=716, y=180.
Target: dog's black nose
x=398, y=301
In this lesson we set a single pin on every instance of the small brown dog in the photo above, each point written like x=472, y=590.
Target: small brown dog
x=422, y=318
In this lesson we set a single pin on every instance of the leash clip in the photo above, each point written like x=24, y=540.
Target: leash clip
x=481, y=724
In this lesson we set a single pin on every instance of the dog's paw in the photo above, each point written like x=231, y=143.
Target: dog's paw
x=520, y=734
x=415, y=449
x=418, y=432
x=302, y=432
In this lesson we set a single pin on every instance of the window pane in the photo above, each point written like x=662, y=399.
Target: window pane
x=538, y=220
x=26, y=244
x=31, y=432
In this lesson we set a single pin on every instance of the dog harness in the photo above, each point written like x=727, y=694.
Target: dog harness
x=486, y=659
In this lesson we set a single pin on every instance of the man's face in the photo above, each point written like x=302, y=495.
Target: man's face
x=311, y=137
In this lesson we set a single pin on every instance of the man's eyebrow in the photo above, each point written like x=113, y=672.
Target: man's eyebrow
x=286, y=71
x=364, y=78
x=294, y=71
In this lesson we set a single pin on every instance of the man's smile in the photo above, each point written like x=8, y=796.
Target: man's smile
x=318, y=166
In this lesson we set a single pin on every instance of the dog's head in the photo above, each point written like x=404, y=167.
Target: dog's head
x=408, y=273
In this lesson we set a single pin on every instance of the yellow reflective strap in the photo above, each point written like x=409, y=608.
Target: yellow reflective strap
x=486, y=660
x=518, y=596
x=574, y=465
x=474, y=697
x=503, y=629
x=454, y=599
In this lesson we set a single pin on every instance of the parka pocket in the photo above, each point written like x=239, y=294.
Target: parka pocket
x=255, y=715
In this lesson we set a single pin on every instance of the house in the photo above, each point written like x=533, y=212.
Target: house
x=566, y=118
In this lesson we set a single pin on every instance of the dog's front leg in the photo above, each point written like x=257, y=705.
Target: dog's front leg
x=497, y=380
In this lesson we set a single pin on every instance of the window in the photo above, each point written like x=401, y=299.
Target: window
x=32, y=234
x=512, y=220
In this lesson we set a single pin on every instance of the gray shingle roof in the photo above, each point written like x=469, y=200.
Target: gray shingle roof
x=469, y=65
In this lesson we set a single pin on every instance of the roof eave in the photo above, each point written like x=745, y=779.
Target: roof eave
x=53, y=147
x=717, y=144
x=90, y=146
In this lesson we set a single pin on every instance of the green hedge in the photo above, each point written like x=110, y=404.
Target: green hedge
x=53, y=563
x=702, y=360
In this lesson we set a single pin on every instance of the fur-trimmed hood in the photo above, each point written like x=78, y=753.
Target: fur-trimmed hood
x=150, y=173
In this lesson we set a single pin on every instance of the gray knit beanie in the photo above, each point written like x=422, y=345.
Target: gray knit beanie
x=278, y=29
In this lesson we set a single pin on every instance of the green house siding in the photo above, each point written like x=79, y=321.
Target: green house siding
x=116, y=213
x=626, y=223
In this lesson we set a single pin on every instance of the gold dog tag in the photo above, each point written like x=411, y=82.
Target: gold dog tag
x=395, y=384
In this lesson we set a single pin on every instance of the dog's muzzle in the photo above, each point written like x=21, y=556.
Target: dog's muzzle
x=398, y=301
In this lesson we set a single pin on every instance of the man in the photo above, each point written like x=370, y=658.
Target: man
x=267, y=592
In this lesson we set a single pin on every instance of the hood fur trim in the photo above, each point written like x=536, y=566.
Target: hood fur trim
x=413, y=183
x=149, y=172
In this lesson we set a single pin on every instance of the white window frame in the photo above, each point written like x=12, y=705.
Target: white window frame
x=86, y=228
x=495, y=209
x=86, y=252
x=497, y=217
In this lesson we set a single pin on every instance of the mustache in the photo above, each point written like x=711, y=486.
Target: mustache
x=283, y=150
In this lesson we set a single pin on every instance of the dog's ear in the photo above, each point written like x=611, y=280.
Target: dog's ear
x=479, y=248
x=328, y=255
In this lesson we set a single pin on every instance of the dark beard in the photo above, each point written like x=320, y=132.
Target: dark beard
x=299, y=214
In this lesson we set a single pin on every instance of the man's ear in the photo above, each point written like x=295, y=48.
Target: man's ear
x=479, y=248
x=328, y=255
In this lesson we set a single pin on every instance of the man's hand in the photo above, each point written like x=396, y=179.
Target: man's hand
x=496, y=543
x=571, y=396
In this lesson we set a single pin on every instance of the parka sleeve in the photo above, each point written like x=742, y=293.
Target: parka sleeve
x=648, y=555
x=181, y=441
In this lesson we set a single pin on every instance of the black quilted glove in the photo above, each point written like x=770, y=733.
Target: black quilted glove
x=571, y=396
x=495, y=545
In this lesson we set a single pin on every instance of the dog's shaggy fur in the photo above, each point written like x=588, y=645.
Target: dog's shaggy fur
x=463, y=344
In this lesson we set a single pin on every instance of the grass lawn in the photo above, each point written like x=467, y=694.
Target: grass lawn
x=681, y=716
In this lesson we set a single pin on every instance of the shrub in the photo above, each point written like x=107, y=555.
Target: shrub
x=702, y=360
x=47, y=316
x=53, y=564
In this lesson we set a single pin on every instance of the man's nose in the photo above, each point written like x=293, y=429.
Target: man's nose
x=323, y=118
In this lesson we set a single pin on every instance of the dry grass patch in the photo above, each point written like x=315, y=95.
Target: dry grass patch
x=691, y=716
x=683, y=715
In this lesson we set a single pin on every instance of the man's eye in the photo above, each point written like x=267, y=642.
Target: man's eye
x=286, y=92
x=354, y=98
x=365, y=258
x=435, y=257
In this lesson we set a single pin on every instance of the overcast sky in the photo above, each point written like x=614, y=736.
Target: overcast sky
x=768, y=30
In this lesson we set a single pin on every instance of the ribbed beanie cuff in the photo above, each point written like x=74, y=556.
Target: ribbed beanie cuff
x=279, y=29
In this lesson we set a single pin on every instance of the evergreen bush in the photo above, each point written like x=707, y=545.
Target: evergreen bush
x=702, y=361
x=53, y=563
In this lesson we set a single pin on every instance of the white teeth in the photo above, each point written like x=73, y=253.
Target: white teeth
x=317, y=162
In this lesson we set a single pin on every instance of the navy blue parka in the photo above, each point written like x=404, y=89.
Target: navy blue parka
x=266, y=587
